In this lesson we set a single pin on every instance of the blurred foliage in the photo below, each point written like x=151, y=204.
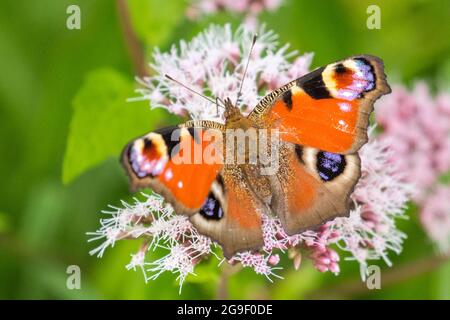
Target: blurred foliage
x=57, y=81
x=114, y=124
x=154, y=23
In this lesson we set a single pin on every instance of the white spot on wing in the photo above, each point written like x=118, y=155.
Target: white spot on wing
x=343, y=106
x=168, y=175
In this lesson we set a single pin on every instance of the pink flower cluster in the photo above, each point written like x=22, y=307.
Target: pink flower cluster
x=250, y=8
x=155, y=223
x=213, y=64
x=417, y=126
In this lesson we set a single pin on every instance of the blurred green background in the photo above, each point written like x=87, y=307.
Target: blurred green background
x=50, y=74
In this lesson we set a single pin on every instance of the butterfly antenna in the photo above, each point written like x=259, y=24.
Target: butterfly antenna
x=221, y=101
x=218, y=105
x=193, y=91
x=255, y=36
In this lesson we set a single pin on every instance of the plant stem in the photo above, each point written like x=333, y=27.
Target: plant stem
x=227, y=271
x=392, y=276
x=222, y=290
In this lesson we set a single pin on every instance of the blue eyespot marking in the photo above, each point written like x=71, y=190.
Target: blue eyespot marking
x=330, y=165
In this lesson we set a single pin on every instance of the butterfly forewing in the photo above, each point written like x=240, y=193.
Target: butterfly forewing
x=329, y=108
x=170, y=161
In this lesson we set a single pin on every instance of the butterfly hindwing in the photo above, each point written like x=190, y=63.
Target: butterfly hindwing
x=312, y=186
x=232, y=213
x=165, y=161
x=328, y=108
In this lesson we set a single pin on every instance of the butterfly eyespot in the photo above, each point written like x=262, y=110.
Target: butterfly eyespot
x=212, y=208
x=340, y=68
x=145, y=161
x=147, y=144
x=366, y=74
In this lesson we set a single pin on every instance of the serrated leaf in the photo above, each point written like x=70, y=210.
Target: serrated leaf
x=103, y=121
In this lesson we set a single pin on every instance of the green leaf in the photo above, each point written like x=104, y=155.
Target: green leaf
x=51, y=282
x=4, y=222
x=207, y=272
x=103, y=122
x=440, y=279
x=442, y=282
x=297, y=283
x=445, y=178
x=155, y=20
x=46, y=202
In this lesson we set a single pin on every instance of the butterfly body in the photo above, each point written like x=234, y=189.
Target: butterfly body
x=310, y=129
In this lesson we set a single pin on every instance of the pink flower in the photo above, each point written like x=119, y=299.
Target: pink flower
x=435, y=217
x=213, y=64
x=250, y=8
x=417, y=126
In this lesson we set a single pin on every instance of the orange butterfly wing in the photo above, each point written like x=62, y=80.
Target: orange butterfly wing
x=171, y=161
x=328, y=108
x=232, y=215
x=313, y=187
x=322, y=118
x=218, y=199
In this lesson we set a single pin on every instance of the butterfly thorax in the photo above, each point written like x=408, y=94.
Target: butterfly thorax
x=242, y=137
x=232, y=113
x=234, y=119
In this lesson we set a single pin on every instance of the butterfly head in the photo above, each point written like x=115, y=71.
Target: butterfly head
x=232, y=113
